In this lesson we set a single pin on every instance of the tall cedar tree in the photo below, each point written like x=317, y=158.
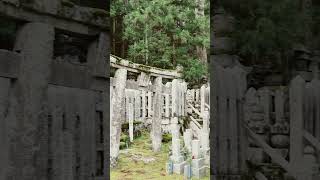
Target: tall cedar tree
x=268, y=30
x=166, y=33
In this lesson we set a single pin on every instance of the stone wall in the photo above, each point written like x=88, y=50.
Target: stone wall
x=53, y=108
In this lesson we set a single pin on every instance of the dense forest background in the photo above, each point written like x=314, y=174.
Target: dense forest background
x=163, y=33
x=269, y=30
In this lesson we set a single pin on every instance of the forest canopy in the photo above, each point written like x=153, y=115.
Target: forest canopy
x=166, y=33
x=270, y=29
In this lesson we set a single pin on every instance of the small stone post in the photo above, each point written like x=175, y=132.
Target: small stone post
x=130, y=121
x=187, y=137
x=176, y=158
x=198, y=168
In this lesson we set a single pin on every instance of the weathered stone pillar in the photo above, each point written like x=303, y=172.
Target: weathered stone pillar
x=197, y=95
x=176, y=158
x=137, y=104
x=98, y=54
x=143, y=105
x=197, y=163
x=150, y=113
x=111, y=106
x=297, y=88
x=174, y=95
x=279, y=103
x=167, y=101
x=187, y=137
x=206, y=118
x=4, y=150
x=143, y=79
x=202, y=99
x=130, y=112
x=115, y=128
x=156, y=133
x=29, y=158
x=196, y=149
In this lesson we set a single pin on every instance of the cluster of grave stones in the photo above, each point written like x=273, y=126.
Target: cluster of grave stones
x=195, y=140
x=143, y=99
x=276, y=120
x=267, y=114
x=137, y=93
x=276, y=124
x=198, y=101
x=198, y=153
x=272, y=113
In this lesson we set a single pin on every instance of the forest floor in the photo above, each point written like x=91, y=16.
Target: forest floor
x=139, y=162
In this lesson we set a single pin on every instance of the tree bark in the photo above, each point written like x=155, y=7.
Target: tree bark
x=201, y=51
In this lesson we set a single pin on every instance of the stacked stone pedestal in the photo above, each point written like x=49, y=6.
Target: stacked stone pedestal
x=187, y=137
x=198, y=162
x=176, y=158
x=204, y=141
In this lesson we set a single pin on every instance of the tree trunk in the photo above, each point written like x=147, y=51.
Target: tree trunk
x=146, y=43
x=306, y=6
x=201, y=51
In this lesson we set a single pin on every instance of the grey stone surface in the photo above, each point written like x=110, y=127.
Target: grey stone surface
x=116, y=121
x=199, y=173
x=4, y=126
x=187, y=137
x=197, y=163
x=196, y=149
x=179, y=167
x=49, y=108
x=35, y=13
x=296, y=125
x=9, y=63
x=33, y=85
x=156, y=134
x=187, y=172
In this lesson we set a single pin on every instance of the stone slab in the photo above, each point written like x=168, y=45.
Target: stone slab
x=197, y=163
x=199, y=173
x=196, y=148
x=179, y=167
x=187, y=172
x=9, y=63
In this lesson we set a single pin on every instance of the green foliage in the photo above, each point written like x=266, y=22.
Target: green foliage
x=165, y=33
x=124, y=141
x=269, y=29
x=194, y=70
x=166, y=137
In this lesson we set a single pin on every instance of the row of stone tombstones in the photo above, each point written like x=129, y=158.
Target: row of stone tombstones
x=197, y=161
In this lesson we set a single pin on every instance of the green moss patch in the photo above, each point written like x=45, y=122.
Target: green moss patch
x=130, y=169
